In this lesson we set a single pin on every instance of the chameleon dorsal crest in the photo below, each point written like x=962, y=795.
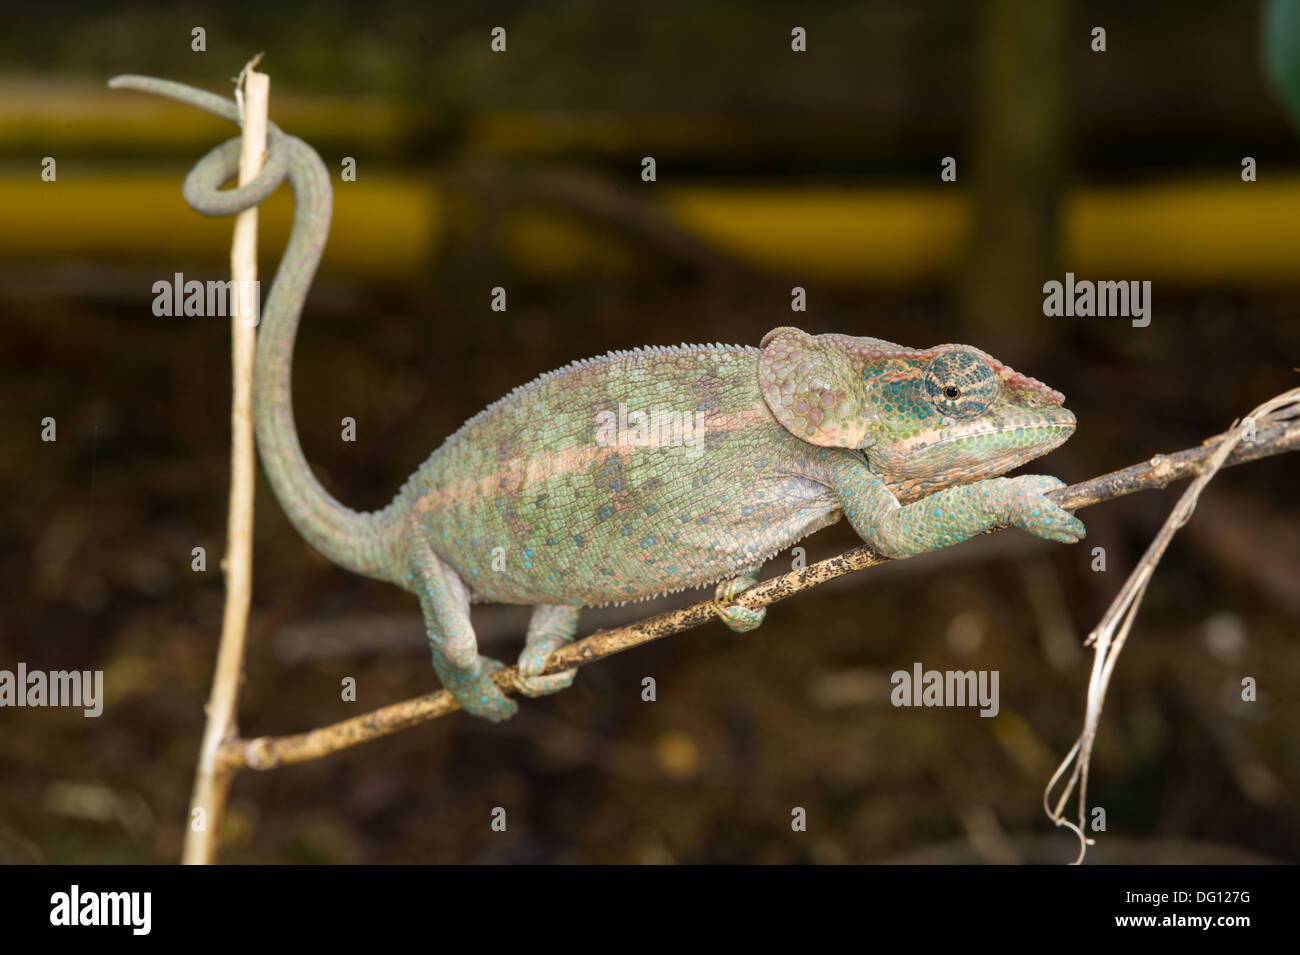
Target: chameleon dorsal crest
x=813, y=386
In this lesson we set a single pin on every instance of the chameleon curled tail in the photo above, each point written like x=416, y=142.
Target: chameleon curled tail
x=348, y=538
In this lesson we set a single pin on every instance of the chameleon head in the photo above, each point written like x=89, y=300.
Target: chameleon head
x=925, y=418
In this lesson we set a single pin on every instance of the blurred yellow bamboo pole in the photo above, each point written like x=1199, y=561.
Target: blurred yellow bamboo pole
x=1193, y=233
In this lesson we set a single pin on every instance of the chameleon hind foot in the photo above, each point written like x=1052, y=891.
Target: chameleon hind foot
x=463, y=671
x=738, y=619
x=550, y=628
x=475, y=690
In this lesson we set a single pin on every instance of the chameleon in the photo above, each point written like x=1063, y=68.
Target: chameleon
x=647, y=471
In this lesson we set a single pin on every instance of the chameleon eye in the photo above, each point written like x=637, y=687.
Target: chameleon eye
x=961, y=384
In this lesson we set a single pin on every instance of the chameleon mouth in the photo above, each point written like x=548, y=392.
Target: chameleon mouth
x=1021, y=435
x=979, y=448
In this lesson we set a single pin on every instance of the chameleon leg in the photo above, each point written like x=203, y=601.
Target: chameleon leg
x=550, y=628
x=949, y=516
x=739, y=619
x=444, y=600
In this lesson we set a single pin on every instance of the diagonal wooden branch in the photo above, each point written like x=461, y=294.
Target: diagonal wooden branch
x=1275, y=434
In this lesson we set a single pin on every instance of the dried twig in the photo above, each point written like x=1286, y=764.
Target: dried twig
x=1275, y=434
x=1112, y=631
x=212, y=775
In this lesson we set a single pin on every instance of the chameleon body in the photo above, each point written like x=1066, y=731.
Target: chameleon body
x=647, y=471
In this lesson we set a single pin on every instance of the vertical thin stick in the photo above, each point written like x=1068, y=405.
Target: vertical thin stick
x=211, y=783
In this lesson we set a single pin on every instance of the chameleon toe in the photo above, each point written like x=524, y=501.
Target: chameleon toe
x=741, y=619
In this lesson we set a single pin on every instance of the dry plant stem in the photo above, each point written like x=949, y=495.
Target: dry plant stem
x=1275, y=435
x=212, y=776
x=1111, y=633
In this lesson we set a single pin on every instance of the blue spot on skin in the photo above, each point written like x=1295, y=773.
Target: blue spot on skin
x=651, y=509
x=605, y=511
x=577, y=539
x=627, y=529
x=648, y=542
x=550, y=542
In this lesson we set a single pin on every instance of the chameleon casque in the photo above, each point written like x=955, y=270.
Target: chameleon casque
x=535, y=500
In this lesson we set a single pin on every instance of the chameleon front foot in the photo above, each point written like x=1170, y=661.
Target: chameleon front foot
x=1029, y=510
x=738, y=619
x=550, y=628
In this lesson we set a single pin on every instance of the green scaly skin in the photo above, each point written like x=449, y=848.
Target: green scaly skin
x=562, y=496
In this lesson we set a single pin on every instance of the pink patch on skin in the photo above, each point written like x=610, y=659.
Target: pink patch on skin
x=573, y=460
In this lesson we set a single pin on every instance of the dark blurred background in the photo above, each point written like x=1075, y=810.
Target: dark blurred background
x=775, y=169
